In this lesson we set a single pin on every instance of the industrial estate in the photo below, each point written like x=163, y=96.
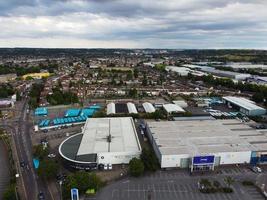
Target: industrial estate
x=86, y=128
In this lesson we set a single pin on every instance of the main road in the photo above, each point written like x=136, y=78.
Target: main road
x=20, y=128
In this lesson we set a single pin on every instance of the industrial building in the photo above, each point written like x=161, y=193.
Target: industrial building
x=227, y=74
x=244, y=106
x=131, y=108
x=205, y=144
x=102, y=141
x=182, y=71
x=173, y=108
x=114, y=108
x=148, y=107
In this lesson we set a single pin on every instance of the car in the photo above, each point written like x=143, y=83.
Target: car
x=105, y=167
x=256, y=169
x=110, y=166
x=51, y=155
x=22, y=164
x=101, y=166
x=41, y=196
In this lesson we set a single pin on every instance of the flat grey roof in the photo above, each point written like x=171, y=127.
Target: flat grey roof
x=97, y=130
x=83, y=147
x=199, y=137
x=243, y=102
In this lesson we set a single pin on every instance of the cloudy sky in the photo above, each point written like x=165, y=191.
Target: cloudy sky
x=134, y=23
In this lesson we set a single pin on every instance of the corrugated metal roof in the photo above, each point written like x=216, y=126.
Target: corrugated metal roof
x=173, y=108
x=111, y=108
x=243, y=102
x=131, y=108
x=149, y=108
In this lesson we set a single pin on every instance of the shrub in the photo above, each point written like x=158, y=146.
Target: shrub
x=247, y=183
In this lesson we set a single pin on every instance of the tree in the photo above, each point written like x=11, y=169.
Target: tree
x=82, y=181
x=10, y=193
x=136, y=73
x=149, y=159
x=136, y=167
x=258, y=97
x=144, y=81
x=48, y=169
x=40, y=152
x=229, y=180
x=133, y=93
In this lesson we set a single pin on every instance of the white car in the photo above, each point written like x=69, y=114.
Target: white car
x=51, y=155
x=256, y=169
x=105, y=167
x=110, y=166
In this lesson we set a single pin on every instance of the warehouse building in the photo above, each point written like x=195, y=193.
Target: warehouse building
x=148, y=107
x=111, y=109
x=102, y=141
x=205, y=144
x=121, y=108
x=173, y=108
x=131, y=108
x=244, y=106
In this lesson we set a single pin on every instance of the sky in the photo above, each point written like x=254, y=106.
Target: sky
x=174, y=24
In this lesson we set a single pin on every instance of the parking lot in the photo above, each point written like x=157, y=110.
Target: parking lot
x=178, y=184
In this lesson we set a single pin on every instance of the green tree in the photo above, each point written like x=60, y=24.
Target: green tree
x=40, y=152
x=82, y=181
x=136, y=72
x=10, y=193
x=136, y=167
x=229, y=180
x=48, y=169
x=149, y=159
x=258, y=97
x=133, y=93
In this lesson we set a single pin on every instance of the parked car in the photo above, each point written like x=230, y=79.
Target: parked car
x=51, y=155
x=105, y=167
x=256, y=169
x=101, y=166
x=110, y=166
x=41, y=196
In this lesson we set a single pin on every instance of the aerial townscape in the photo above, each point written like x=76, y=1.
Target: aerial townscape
x=133, y=100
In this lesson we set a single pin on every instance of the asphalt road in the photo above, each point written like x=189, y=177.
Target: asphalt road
x=178, y=184
x=20, y=128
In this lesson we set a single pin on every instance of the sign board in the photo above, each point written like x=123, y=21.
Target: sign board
x=203, y=160
x=74, y=194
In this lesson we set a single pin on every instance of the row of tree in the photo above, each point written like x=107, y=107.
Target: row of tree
x=59, y=97
x=6, y=90
x=147, y=162
x=260, y=91
x=35, y=94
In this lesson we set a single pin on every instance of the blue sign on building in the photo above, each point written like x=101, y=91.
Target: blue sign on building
x=203, y=160
x=74, y=194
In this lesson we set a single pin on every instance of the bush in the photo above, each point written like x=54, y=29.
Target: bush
x=48, y=169
x=149, y=159
x=247, y=183
x=136, y=167
x=10, y=193
x=227, y=190
x=82, y=181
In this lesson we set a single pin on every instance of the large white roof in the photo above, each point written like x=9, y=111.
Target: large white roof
x=243, y=102
x=200, y=137
x=131, y=108
x=173, y=108
x=97, y=130
x=111, y=108
x=149, y=108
